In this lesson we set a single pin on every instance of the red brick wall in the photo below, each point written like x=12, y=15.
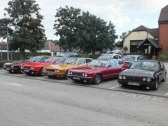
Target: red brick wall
x=163, y=37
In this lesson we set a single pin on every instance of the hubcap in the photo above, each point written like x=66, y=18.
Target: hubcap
x=97, y=79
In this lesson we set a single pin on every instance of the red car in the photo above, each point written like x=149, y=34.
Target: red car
x=97, y=71
x=16, y=67
x=36, y=68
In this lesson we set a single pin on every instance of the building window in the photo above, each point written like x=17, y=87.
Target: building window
x=134, y=44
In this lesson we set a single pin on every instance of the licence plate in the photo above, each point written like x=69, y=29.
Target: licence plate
x=50, y=73
x=26, y=70
x=76, y=78
x=134, y=83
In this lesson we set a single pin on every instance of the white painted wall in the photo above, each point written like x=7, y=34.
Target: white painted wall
x=137, y=35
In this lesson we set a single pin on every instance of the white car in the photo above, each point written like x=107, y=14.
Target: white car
x=110, y=56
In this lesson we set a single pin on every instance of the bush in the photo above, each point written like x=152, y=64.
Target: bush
x=2, y=62
x=163, y=57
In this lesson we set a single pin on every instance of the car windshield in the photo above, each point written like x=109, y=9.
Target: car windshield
x=71, y=61
x=145, y=65
x=129, y=58
x=36, y=58
x=58, y=60
x=98, y=63
x=103, y=57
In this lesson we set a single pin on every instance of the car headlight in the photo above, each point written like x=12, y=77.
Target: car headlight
x=56, y=70
x=120, y=77
x=84, y=74
x=124, y=77
x=69, y=72
x=12, y=66
x=32, y=68
x=144, y=78
x=148, y=79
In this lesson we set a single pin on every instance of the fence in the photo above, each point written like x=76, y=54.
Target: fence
x=18, y=55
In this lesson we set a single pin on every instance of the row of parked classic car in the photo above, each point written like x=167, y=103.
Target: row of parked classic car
x=129, y=70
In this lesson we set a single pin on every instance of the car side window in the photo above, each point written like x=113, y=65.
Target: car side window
x=119, y=57
x=88, y=60
x=115, y=57
x=111, y=63
x=161, y=65
x=140, y=58
x=81, y=61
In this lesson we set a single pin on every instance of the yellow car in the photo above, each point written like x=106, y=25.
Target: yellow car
x=61, y=70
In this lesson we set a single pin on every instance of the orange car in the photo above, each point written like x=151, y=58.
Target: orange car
x=61, y=70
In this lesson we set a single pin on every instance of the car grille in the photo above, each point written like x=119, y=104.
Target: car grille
x=76, y=74
x=131, y=78
x=50, y=70
x=26, y=67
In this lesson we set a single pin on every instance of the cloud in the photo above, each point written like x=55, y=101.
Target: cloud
x=124, y=14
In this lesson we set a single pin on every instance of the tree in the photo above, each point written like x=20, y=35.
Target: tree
x=4, y=28
x=122, y=37
x=81, y=30
x=66, y=26
x=26, y=20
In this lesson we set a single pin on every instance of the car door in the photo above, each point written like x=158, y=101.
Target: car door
x=161, y=71
x=112, y=69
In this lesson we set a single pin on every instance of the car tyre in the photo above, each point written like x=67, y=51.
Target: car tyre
x=41, y=72
x=164, y=78
x=66, y=75
x=76, y=81
x=97, y=79
x=155, y=86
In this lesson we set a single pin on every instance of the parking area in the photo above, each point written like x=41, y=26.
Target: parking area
x=106, y=85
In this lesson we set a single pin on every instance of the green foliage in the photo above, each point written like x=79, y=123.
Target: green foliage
x=163, y=57
x=2, y=62
x=83, y=31
x=28, y=31
x=125, y=48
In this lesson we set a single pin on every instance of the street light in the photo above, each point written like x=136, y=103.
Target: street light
x=7, y=43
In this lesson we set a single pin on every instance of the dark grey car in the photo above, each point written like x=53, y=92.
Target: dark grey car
x=148, y=73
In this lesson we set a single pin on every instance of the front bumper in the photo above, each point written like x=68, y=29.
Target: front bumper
x=30, y=71
x=137, y=83
x=55, y=74
x=80, y=78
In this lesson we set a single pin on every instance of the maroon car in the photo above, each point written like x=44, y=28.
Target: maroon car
x=97, y=71
x=16, y=67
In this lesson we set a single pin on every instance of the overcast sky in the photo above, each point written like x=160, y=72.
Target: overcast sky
x=124, y=14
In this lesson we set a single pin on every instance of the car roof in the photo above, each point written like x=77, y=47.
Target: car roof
x=146, y=61
x=133, y=55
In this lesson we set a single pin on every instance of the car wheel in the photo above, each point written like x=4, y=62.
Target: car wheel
x=66, y=75
x=76, y=81
x=164, y=78
x=41, y=72
x=155, y=86
x=97, y=79
x=49, y=76
x=10, y=71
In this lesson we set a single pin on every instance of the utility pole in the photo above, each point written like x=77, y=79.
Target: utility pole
x=7, y=43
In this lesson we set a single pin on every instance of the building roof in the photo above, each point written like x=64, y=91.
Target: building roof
x=154, y=31
x=49, y=45
x=163, y=18
x=152, y=41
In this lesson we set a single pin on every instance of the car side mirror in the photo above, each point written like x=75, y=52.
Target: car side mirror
x=109, y=66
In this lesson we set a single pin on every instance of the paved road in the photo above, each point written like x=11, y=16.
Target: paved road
x=34, y=102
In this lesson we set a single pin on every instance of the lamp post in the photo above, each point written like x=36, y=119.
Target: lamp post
x=7, y=43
